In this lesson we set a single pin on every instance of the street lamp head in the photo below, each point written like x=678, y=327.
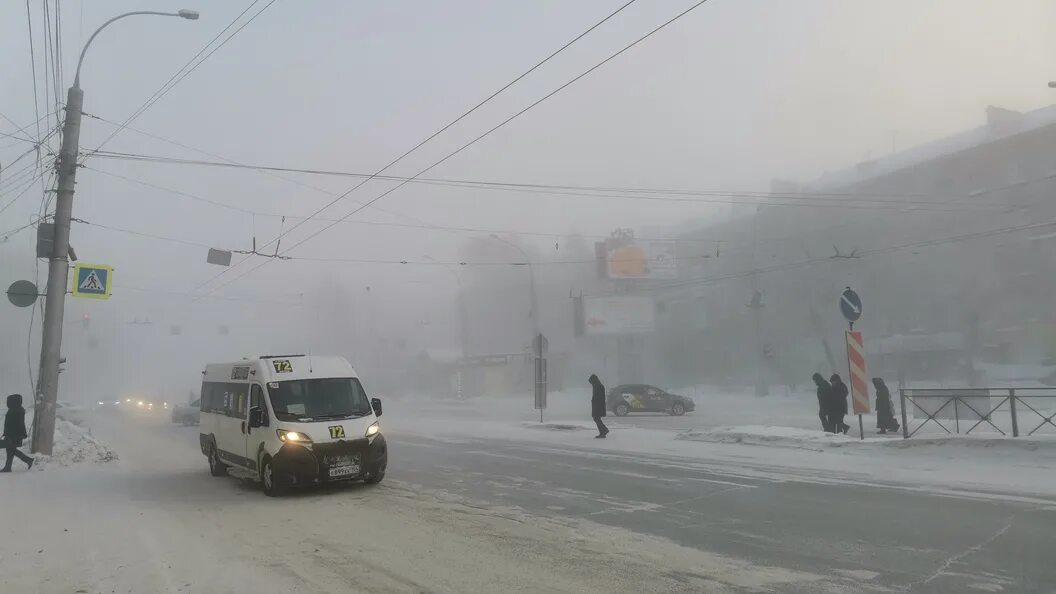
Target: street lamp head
x=190, y=15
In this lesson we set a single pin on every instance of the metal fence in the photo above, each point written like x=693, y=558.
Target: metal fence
x=987, y=409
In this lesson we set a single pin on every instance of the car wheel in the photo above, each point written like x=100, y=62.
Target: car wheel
x=216, y=467
x=621, y=410
x=274, y=485
x=678, y=409
x=375, y=477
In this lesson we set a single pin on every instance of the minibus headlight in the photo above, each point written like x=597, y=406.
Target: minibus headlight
x=293, y=437
x=374, y=429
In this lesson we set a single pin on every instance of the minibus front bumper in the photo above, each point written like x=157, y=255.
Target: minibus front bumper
x=342, y=460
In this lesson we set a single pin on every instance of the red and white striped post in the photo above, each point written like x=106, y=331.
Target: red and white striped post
x=858, y=377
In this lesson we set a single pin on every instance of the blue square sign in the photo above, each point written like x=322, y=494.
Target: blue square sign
x=92, y=281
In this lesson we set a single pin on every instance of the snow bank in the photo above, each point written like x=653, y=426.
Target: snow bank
x=791, y=437
x=806, y=439
x=73, y=445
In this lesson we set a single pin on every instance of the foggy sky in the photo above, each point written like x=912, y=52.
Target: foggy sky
x=729, y=97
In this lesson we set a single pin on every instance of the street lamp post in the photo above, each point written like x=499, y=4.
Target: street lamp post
x=531, y=279
x=58, y=265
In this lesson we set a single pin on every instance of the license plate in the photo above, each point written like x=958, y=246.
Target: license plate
x=339, y=471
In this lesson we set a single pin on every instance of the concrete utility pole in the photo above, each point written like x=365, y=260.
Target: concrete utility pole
x=59, y=264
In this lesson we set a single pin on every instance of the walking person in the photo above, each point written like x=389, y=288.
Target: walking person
x=839, y=405
x=885, y=411
x=824, y=401
x=597, y=406
x=14, y=432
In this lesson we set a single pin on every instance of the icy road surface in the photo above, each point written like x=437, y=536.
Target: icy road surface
x=469, y=515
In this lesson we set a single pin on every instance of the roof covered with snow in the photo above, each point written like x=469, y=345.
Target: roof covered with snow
x=1001, y=124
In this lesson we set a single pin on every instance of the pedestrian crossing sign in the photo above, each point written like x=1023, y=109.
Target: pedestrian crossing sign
x=92, y=281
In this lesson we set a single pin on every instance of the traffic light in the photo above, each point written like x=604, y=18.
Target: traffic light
x=86, y=320
x=768, y=352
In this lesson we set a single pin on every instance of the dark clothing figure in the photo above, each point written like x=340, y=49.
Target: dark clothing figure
x=14, y=432
x=885, y=411
x=839, y=404
x=597, y=405
x=824, y=401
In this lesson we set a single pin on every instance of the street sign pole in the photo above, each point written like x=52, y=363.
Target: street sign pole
x=539, y=347
x=861, y=425
x=851, y=308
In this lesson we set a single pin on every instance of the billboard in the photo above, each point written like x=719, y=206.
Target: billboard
x=640, y=259
x=618, y=315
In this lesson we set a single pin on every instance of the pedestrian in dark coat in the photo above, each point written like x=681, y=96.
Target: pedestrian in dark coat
x=14, y=432
x=839, y=404
x=824, y=401
x=597, y=405
x=885, y=411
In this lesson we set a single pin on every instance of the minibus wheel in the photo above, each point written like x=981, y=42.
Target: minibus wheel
x=216, y=467
x=274, y=485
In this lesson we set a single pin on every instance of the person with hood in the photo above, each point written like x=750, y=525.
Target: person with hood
x=824, y=401
x=597, y=406
x=838, y=408
x=885, y=412
x=14, y=432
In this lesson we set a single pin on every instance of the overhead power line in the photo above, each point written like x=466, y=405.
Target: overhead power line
x=482, y=136
x=4, y=236
x=25, y=189
x=33, y=68
x=31, y=151
x=187, y=68
x=432, y=136
x=421, y=262
x=823, y=199
x=21, y=129
x=427, y=227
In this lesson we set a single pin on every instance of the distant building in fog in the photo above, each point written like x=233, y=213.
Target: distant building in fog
x=947, y=236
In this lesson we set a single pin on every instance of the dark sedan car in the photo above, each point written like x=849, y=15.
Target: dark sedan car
x=629, y=398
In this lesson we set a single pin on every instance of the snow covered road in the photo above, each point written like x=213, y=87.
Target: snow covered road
x=932, y=518
x=156, y=521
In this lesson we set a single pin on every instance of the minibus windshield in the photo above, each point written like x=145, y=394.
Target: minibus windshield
x=318, y=399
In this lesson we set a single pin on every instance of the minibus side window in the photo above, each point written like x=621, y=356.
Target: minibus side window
x=234, y=399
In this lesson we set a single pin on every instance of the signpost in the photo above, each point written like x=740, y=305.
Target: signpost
x=539, y=347
x=92, y=281
x=22, y=293
x=851, y=308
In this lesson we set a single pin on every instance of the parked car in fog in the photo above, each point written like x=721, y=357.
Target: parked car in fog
x=633, y=398
x=187, y=414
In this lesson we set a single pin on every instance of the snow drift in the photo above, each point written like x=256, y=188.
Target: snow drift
x=73, y=445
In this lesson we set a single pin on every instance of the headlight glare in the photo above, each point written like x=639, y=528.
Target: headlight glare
x=374, y=429
x=293, y=437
